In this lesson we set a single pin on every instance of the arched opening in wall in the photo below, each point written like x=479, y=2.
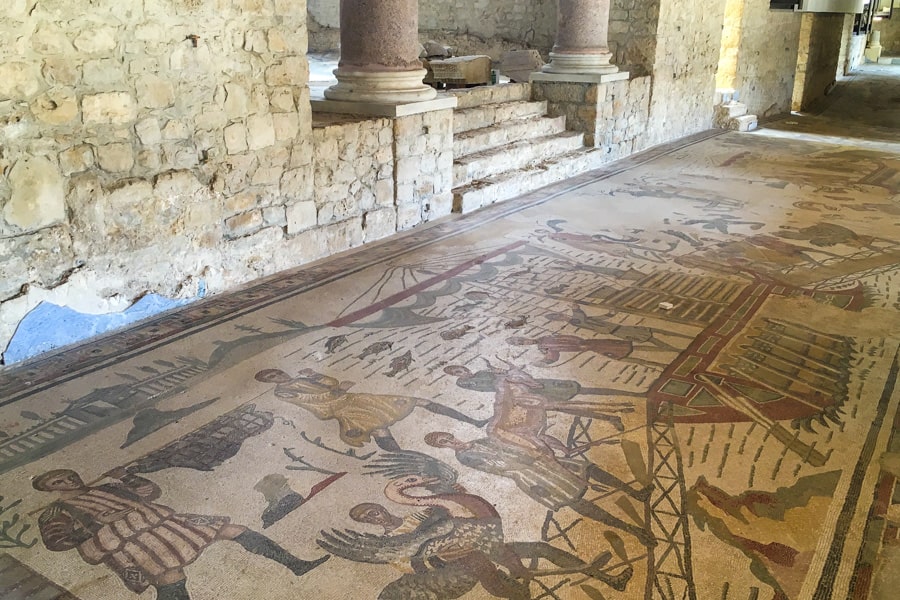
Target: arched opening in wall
x=726, y=74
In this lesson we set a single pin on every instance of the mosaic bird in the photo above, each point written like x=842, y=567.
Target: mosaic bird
x=455, y=334
x=400, y=363
x=375, y=348
x=557, y=289
x=335, y=342
x=516, y=323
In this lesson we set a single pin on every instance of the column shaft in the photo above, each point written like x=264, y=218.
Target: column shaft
x=380, y=53
x=581, y=38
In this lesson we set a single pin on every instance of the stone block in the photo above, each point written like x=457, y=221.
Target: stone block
x=408, y=216
x=277, y=43
x=241, y=202
x=37, y=197
x=211, y=120
x=236, y=138
x=97, y=40
x=267, y=176
x=76, y=159
x=102, y=73
x=154, y=92
x=274, y=215
x=48, y=39
x=243, y=224
x=297, y=184
x=148, y=160
x=281, y=99
x=378, y=224
x=439, y=205
x=18, y=80
x=56, y=107
x=61, y=71
x=115, y=158
x=301, y=216
x=260, y=132
x=292, y=70
x=108, y=108
x=287, y=125
x=237, y=101
x=148, y=132
x=178, y=184
x=175, y=130
x=341, y=236
x=384, y=192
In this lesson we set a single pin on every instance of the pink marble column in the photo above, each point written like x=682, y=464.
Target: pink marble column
x=380, y=53
x=581, y=38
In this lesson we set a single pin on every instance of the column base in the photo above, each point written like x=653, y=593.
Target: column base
x=381, y=87
x=580, y=77
x=595, y=64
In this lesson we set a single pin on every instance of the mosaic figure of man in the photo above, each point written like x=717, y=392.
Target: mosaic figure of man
x=145, y=543
x=548, y=480
x=361, y=416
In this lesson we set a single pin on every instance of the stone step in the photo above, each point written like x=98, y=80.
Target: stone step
x=517, y=155
x=486, y=115
x=486, y=138
x=491, y=94
x=511, y=184
x=744, y=123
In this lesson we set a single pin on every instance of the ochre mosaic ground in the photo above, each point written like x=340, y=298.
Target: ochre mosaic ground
x=675, y=378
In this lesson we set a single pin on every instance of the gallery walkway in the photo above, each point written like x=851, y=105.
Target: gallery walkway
x=675, y=377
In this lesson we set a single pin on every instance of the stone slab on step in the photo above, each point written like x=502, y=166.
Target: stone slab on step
x=486, y=138
x=486, y=115
x=516, y=183
x=490, y=94
x=514, y=156
x=730, y=110
x=744, y=123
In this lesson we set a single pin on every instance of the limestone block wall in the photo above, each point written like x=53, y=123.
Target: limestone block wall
x=423, y=149
x=633, y=26
x=147, y=146
x=767, y=59
x=353, y=201
x=684, y=73
x=613, y=116
x=817, y=60
x=890, y=32
x=472, y=26
x=856, y=52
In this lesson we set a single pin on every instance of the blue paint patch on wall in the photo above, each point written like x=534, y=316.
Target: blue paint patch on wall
x=50, y=326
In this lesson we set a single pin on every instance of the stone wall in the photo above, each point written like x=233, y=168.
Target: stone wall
x=890, y=32
x=818, y=56
x=146, y=147
x=612, y=116
x=768, y=58
x=856, y=52
x=632, y=35
x=479, y=27
x=684, y=75
x=169, y=147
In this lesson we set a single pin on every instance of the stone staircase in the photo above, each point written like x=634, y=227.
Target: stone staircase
x=731, y=114
x=505, y=145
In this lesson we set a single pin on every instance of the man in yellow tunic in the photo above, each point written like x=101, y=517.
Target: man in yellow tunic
x=360, y=416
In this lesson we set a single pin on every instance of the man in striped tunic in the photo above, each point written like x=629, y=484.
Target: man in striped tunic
x=143, y=542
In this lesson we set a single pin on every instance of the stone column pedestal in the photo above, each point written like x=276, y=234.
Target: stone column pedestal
x=380, y=54
x=581, y=41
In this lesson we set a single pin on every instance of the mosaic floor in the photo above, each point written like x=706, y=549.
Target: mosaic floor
x=673, y=378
